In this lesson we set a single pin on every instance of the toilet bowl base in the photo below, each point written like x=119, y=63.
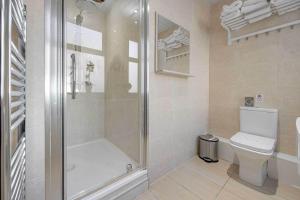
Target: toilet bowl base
x=253, y=171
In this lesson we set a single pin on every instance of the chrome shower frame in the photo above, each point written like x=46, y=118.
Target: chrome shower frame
x=55, y=96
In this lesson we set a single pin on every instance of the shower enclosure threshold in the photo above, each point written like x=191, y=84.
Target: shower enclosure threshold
x=93, y=165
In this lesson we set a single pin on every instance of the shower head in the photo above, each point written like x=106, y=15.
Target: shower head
x=89, y=5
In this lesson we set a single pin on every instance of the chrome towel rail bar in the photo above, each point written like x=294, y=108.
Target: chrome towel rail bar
x=17, y=63
x=17, y=103
x=17, y=123
x=17, y=53
x=17, y=83
x=17, y=73
x=17, y=93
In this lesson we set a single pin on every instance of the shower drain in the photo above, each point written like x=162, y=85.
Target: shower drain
x=129, y=167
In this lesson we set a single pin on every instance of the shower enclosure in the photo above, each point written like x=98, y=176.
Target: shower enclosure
x=95, y=96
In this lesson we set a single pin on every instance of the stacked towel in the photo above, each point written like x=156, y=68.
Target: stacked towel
x=177, y=39
x=232, y=8
x=254, y=7
x=231, y=16
x=252, y=2
x=285, y=6
x=255, y=10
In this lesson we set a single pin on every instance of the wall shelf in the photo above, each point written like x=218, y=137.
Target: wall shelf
x=172, y=73
x=178, y=55
x=262, y=31
x=240, y=14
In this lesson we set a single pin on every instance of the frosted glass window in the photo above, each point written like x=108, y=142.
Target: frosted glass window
x=133, y=77
x=133, y=49
x=83, y=76
x=85, y=37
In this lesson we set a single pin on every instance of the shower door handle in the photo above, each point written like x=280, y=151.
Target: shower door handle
x=73, y=73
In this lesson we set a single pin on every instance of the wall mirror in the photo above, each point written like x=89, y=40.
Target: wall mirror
x=172, y=50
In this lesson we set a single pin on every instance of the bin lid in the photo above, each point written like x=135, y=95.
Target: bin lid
x=209, y=137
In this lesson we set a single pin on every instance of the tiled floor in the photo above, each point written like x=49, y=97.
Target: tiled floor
x=197, y=180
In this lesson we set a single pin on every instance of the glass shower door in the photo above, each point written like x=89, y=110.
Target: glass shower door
x=103, y=93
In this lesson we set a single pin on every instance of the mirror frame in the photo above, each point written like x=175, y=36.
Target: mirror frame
x=159, y=70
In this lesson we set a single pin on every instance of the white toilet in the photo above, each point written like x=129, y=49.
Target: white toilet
x=255, y=142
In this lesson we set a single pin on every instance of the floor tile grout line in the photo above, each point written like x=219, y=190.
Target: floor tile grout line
x=222, y=188
x=183, y=186
x=204, y=175
x=154, y=195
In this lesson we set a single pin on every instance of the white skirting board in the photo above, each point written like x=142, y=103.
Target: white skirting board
x=281, y=166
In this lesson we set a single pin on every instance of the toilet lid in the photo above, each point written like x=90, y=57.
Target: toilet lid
x=253, y=142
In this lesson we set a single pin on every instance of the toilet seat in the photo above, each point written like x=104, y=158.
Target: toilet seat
x=254, y=142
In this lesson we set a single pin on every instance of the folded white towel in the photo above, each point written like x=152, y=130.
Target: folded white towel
x=288, y=9
x=235, y=23
x=181, y=37
x=231, y=16
x=258, y=18
x=283, y=6
x=232, y=7
x=288, y=6
x=233, y=20
x=226, y=13
x=238, y=26
x=174, y=45
x=239, y=23
x=254, y=7
x=281, y=2
x=252, y=2
x=258, y=13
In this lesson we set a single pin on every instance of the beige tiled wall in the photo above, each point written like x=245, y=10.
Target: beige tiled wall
x=268, y=64
x=84, y=118
x=121, y=107
x=178, y=107
x=35, y=92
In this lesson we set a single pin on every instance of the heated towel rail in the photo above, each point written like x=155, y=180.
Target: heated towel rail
x=13, y=99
